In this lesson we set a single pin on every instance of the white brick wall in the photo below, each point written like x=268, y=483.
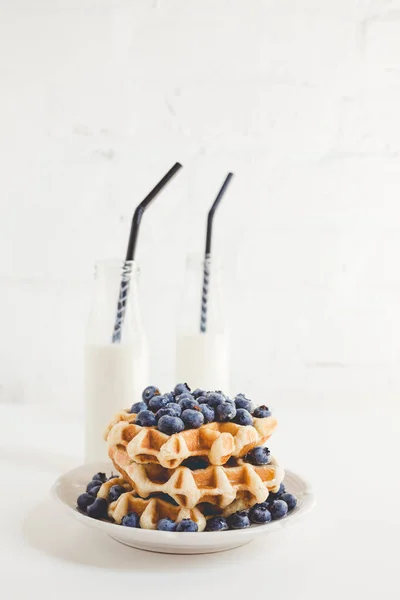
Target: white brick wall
x=300, y=99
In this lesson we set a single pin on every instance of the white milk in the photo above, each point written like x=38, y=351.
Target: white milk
x=202, y=361
x=115, y=376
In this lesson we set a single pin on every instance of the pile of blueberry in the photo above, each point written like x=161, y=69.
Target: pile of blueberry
x=275, y=507
x=183, y=409
x=97, y=507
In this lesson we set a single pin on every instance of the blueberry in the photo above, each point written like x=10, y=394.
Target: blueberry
x=102, y=477
x=166, y=411
x=149, y=393
x=215, y=398
x=170, y=396
x=176, y=407
x=278, y=509
x=197, y=393
x=208, y=413
x=192, y=418
x=201, y=400
x=261, y=505
x=85, y=500
x=115, y=492
x=131, y=520
x=114, y=477
x=242, y=402
x=281, y=490
x=243, y=417
x=181, y=388
x=170, y=425
x=261, y=412
x=290, y=500
x=225, y=411
x=259, y=514
x=98, y=509
x=238, y=520
x=137, y=407
x=231, y=402
x=158, y=402
x=93, y=487
x=258, y=456
x=183, y=396
x=217, y=524
x=166, y=525
x=194, y=463
x=188, y=403
x=146, y=418
x=187, y=525
x=275, y=495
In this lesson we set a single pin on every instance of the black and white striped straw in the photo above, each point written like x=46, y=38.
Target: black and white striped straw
x=130, y=252
x=207, y=254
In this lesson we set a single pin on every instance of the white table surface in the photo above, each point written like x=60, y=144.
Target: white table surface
x=348, y=547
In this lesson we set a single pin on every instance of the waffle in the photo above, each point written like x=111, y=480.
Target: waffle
x=150, y=510
x=216, y=441
x=122, y=415
x=217, y=485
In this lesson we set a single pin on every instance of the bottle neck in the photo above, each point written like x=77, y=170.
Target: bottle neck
x=110, y=273
x=201, y=300
x=115, y=315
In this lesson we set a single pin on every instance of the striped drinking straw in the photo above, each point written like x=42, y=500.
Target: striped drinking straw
x=130, y=253
x=207, y=255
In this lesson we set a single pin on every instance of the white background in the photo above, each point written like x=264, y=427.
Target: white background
x=98, y=98
x=301, y=99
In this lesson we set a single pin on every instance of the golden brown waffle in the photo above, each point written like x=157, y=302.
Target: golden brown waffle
x=122, y=415
x=217, y=485
x=216, y=441
x=150, y=510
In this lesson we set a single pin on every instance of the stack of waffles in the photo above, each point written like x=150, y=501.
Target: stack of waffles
x=193, y=474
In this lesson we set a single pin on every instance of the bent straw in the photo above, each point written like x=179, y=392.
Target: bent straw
x=131, y=249
x=207, y=254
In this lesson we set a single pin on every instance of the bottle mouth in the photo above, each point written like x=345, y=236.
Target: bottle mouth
x=198, y=259
x=115, y=266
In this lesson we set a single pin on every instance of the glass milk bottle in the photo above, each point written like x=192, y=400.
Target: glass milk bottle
x=116, y=353
x=202, y=358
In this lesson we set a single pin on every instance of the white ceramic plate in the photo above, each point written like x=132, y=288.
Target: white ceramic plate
x=68, y=487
